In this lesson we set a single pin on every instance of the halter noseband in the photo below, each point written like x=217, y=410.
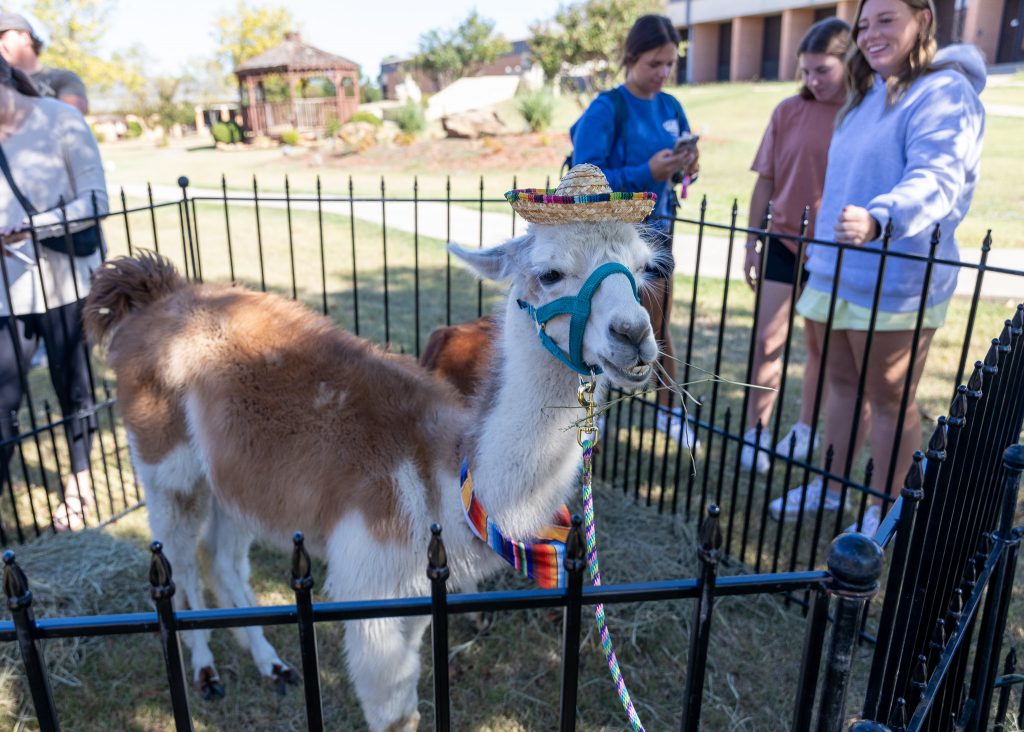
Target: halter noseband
x=578, y=308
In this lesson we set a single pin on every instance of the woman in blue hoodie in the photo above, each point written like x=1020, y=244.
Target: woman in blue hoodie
x=630, y=133
x=906, y=151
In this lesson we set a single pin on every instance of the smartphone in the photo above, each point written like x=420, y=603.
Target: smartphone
x=686, y=141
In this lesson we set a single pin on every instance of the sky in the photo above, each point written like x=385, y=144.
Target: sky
x=365, y=32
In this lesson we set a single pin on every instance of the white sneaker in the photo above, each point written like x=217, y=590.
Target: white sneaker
x=802, y=444
x=674, y=423
x=747, y=452
x=869, y=526
x=812, y=498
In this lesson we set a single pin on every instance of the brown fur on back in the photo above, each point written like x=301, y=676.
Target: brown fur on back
x=462, y=353
x=274, y=391
x=124, y=284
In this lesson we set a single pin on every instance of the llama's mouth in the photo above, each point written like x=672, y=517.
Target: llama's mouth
x=635, y=376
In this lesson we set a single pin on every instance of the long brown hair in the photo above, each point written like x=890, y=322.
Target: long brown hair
x=860, y=75
x=830, y=37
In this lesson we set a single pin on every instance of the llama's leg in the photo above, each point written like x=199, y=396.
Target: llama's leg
x=384, y=665
x=176, y=520
x=228, y=544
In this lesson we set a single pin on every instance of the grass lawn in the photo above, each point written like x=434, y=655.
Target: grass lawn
x=729, y=117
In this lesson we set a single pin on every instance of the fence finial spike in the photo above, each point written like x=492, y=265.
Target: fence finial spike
x=15, y=583
x=575, y=548
x=437, y=555
x=710, y=538
x=937, y=442
x=913, y=484
x=958, y=407
x=898, y=715
x=992, y=358
x=160, y=573
x=302, y=565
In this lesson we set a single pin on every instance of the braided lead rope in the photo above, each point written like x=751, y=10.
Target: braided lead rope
x=594, y=570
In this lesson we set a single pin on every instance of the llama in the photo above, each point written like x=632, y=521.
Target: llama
x=461, y=353
x=250, y=416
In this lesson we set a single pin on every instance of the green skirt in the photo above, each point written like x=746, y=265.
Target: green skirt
x=813, y=305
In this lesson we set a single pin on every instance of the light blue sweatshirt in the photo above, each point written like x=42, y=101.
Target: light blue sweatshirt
x=915, y=163
x=650, y=125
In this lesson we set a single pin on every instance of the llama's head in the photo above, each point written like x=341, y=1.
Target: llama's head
x=552, y=264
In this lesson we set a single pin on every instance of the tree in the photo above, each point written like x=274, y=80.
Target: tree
x=591, y=32
x=448, y=55
x=248, y=31
x=76, y=34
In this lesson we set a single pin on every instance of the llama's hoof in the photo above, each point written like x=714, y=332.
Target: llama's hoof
x=209, y=685
x=281, y=677
x=480, y=621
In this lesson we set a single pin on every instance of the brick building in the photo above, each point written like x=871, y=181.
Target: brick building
x=740, y=40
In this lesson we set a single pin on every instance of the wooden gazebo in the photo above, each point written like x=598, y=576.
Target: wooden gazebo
x=302, y=68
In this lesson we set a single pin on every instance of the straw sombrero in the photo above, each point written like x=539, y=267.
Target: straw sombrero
x=582, y=195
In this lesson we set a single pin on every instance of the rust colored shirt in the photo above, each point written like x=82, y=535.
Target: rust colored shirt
x=793, y=153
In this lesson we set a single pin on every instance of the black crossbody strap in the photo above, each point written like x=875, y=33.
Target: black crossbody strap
x=25, y=203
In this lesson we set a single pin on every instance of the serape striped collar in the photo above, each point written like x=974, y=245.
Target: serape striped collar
x=542, y=559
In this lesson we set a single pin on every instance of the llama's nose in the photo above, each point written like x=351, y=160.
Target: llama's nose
x=629, y=333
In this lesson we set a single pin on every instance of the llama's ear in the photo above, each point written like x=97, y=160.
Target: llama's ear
x=497, y=263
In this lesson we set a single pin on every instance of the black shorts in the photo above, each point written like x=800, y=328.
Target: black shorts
x=780, y=263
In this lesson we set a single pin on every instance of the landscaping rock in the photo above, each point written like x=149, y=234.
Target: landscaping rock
x=474, y=124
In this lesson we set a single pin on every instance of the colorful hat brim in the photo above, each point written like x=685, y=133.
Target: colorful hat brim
x=545, y=206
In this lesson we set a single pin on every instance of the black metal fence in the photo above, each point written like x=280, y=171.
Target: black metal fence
x=378, y=266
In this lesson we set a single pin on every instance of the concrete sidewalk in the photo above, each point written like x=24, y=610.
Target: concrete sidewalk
x=467, y=228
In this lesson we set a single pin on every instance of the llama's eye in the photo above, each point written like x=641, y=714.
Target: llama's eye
x=551, y=277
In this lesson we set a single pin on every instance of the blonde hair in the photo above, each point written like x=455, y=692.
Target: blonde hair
x=860, y=75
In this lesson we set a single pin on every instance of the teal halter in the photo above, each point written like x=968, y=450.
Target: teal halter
x=578, y=308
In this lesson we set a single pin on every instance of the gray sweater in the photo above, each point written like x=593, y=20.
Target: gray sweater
x=53, y=155
x=914, y=163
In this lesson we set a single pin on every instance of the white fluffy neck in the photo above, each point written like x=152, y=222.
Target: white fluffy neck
x=526, y=452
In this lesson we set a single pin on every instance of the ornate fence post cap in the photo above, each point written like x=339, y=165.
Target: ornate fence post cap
x=160, y=574
x=15, y=584
x=302, y=576
x=437, y=555
x=709, y=540
x=575, y=549
x=183, y=181
x=855, y=563
x=1013, y=458
x=866, y=725
x=913, y=484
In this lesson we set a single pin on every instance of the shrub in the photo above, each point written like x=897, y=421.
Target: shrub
x=134, y=129
x=226, y=132
x=333, y=127
x=290, y=137
x=365, y=116
x=410, y=118
x=537, y=108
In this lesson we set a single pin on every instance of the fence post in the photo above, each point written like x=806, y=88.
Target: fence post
x=990, y=636
x=575, y=563
x=437, y=573
x=855, y=563
x=188, y=248
x=810, y=662
x=302, y=583
x=19, y=602
x=162, y=592
x=709, y=545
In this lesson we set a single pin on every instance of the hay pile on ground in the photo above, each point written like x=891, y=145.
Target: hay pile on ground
x=83, y=573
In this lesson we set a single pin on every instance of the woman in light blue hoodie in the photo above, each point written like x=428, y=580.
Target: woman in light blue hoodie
x=905, y=151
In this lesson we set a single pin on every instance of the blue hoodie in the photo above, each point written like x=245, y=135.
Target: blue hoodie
x=914, y=163
x=650, y=126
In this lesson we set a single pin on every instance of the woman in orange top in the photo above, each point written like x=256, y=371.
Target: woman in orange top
x=791, y=172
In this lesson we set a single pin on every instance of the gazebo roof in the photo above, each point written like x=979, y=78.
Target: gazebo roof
x=294, y=55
